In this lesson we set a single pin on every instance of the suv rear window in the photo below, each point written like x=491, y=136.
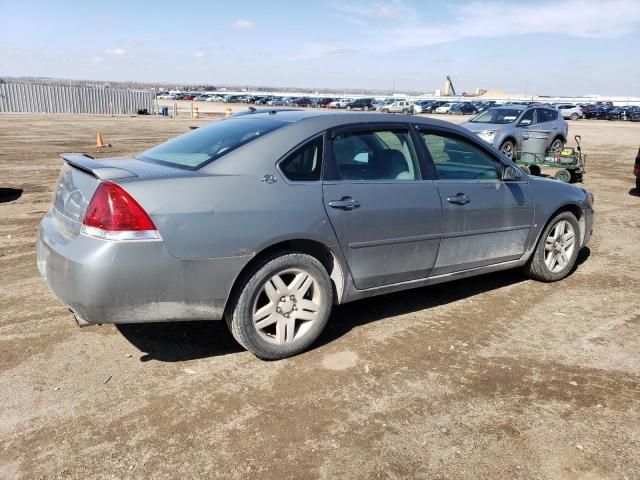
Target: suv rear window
x=203, y=145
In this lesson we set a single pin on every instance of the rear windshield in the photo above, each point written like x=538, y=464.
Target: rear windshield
x=497, y=115
x=203, y=145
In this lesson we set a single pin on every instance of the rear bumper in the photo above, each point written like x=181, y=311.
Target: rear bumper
x=130, y=282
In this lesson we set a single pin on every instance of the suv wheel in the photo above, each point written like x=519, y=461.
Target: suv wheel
x=574, y=116
x=557, y=145
x=557, y=249
x=282, y=305
x=366, y=108
x=348, y=107
x=508, y=148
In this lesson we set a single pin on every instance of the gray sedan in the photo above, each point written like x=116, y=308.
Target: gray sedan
x=267, y=220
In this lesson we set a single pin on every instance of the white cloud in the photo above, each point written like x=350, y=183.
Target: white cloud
x=118, y=52
x=198, y=54
x=492, y=19
x=241, y=23
x=393, y=10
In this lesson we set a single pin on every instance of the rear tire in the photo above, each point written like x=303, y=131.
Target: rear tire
x=562, y=175
x=557, y=145
x=281, y=305
x=556, y=251
x=575, y=177
x=508, y=148
x=574, y=116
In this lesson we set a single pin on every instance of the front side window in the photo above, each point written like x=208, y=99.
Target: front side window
x=385, y=154
x=457, y=159
x=203, y=145
x=528, y=118
x=305, y=163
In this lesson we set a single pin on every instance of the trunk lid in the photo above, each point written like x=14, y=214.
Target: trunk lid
x=80, y=176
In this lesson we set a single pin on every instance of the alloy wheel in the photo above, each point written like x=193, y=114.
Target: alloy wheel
x=559, y=246
x=287, y=306
x=507, y=149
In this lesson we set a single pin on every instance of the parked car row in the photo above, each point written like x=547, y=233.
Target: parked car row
x=602, y=110
x=610, y=112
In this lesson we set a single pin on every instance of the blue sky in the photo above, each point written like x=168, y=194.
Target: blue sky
x=565, y=47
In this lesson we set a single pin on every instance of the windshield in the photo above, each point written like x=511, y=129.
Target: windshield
x=203, y=145
x=497, y=116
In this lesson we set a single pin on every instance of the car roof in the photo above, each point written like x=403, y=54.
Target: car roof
x=328, y=119
x=511, y=107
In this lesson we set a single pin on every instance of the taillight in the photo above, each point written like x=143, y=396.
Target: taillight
x=113, y=214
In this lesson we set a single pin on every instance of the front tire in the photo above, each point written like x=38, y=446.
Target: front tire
x=281, y=306
x=557, y=249
x=574, y=116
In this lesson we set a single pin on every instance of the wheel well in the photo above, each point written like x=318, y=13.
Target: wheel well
x=561, y=137
x=508, y=139
x=577, y=212
x=319, y=251
x=575, y=209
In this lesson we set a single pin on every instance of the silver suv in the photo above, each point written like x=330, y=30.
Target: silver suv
x=569, y=111
x=505, y=127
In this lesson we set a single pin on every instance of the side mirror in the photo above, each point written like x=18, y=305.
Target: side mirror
x=525, y=122
x=510, y=174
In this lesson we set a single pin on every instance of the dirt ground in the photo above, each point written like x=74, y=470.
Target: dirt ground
x=491, y=377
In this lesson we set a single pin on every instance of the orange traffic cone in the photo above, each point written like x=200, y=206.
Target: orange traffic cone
x=99, y=141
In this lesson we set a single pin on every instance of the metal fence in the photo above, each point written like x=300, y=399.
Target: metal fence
x=31, y=98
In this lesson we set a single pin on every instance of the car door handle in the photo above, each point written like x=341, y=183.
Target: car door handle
x=459, y=199
x=345, y=203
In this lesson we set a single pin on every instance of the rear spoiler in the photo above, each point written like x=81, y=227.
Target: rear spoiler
x=87, y=164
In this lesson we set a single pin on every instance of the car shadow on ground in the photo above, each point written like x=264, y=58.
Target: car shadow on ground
x=351, y=315
x=9, y=194
x=181, y=341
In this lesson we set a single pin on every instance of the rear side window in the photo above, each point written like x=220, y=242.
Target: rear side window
x=305, y=163
x=199, y=147
x=547, y=115
x=375, y=155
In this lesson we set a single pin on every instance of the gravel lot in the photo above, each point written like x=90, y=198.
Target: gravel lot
x=491, y=377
